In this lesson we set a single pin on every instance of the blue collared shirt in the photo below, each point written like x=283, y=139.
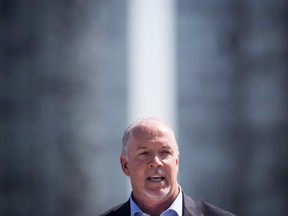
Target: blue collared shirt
x=174, y=210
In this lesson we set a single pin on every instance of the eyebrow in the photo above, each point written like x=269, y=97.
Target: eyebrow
x=141, y=147
x=167, y=147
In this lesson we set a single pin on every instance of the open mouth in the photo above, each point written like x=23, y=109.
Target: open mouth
x=156, y=178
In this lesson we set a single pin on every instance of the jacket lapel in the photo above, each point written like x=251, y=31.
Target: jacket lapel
x=190, y=207
x=124, y=210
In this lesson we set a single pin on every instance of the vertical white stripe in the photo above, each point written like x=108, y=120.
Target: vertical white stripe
x=151, y=60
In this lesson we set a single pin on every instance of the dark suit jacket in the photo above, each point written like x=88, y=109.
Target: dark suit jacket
x=191, y=207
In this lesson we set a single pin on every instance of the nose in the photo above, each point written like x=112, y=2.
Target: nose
x=155, y=162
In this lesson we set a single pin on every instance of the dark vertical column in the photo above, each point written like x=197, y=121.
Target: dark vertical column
x=29, y=111
x=62, y=106
x=265, y=107
x=232, y=99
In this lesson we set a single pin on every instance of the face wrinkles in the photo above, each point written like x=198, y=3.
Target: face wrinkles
x=152, y=149
x=142, y=135
x=152, y=162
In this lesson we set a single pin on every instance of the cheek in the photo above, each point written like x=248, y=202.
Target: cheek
x=137, y=169
x=173, y=166
x=173, y=162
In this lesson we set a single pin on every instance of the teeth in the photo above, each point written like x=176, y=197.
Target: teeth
x=156, y=179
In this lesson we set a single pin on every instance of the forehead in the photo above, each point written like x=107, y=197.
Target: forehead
x=151, y=132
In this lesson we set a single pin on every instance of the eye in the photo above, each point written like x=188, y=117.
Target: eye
x=143, y=153
x=166, y=152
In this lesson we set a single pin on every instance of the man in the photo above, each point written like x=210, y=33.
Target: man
x=150, y=157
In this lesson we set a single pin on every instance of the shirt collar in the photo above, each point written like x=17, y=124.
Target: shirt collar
x=176, y=206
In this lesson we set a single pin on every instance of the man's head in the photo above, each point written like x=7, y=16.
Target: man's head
x=150, y=157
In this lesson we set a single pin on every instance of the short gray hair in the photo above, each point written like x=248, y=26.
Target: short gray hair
x=138, y=122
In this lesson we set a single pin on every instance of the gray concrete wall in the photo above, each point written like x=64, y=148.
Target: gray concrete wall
x=233, y=104
x=63, y=105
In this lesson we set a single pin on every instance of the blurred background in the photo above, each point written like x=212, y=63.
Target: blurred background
x=70, y=72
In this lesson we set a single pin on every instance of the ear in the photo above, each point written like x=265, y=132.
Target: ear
x=177, y=162
x=124, y=165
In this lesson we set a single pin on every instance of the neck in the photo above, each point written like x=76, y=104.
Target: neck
x=155, y=208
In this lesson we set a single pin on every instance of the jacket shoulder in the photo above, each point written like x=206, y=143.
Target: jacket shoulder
x=209, y=209
x=199, y=207
x=119, y=210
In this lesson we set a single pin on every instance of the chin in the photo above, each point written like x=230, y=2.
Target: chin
x=157, y=196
